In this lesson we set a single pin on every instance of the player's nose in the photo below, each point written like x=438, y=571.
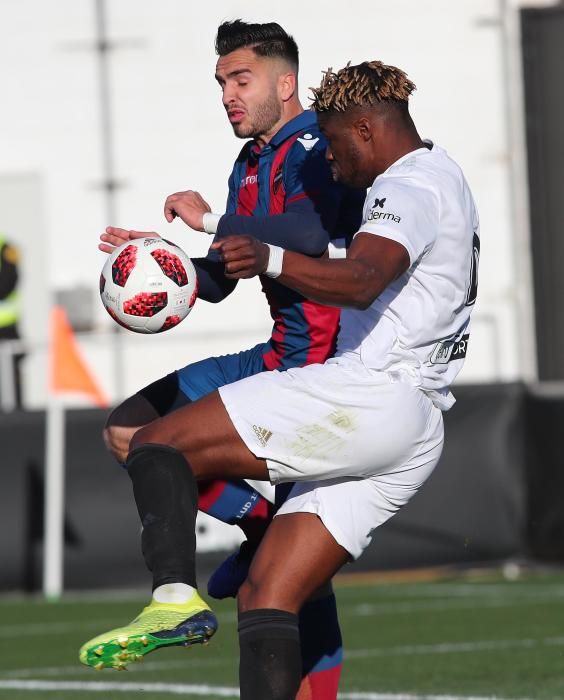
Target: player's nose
x=228, y=96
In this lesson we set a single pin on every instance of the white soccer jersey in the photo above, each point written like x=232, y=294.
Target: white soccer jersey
x=417, y=329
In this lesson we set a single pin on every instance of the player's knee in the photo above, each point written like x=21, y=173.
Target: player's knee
x=124, y=421
x=157, y=433
x=120, y=427
x=147, y=435
x=246, y=596
x=257, y=593
x=117, y=441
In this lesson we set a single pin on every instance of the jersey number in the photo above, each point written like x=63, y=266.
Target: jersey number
x=472, y=291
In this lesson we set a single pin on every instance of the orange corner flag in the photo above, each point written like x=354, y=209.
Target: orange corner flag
x=68, y=372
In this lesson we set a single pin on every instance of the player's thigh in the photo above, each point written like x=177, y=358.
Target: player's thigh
x=296, y=559
x=204, y=433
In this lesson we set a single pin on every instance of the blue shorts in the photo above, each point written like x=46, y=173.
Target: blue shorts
x=203, y=377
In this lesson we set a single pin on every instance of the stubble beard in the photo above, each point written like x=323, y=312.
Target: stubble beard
x=263, y=119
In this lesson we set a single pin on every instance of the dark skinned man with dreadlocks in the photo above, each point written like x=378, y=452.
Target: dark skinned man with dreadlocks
x=360, y=433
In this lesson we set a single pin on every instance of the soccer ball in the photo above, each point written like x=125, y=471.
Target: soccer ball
x=148, y=285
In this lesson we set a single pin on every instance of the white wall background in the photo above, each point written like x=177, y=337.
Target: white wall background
x=170, y=133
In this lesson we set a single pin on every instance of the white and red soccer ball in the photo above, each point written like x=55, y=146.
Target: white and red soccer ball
x=148, y=285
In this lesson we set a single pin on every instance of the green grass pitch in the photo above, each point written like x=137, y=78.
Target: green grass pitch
x=479, y=637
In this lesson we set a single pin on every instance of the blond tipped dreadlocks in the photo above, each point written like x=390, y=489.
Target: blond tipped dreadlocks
x=364, y=84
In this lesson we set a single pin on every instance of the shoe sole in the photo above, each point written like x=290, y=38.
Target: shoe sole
x=120, y=651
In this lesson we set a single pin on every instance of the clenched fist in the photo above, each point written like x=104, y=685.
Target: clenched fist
x=244, y=256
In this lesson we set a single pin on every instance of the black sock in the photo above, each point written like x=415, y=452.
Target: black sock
x=167, y=500
x=270, y=666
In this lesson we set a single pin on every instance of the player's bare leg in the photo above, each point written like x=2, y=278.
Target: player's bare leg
x=296, y=559
x=205, y=436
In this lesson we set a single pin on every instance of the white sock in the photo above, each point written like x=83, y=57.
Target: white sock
x=173, y=593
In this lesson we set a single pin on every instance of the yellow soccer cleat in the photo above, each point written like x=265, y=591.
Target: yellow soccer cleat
x=158, y=625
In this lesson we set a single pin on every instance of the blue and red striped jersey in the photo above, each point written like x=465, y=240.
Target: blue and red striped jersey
x=290, y=174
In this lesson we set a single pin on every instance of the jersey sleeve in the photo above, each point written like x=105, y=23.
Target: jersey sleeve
x=403, y=210
x=213, y=285
x=307, y=173
x=299, y=228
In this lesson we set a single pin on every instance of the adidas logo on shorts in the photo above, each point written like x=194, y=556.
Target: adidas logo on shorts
x=263, y=434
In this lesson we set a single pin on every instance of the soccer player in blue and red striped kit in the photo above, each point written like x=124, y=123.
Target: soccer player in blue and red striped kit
x=280, y=191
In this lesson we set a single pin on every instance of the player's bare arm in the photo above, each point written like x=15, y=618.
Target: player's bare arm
x=372, y=263
x=189, y=206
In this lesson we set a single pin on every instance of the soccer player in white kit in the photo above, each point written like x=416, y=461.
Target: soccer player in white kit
x=360, y=433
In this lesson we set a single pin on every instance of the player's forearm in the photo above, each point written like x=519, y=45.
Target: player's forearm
x=302, y=233
x=345, y=283
x=213, y=286
x=373, y=262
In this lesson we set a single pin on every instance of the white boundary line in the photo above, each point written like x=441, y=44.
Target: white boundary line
x=105, y=687
x=203, y=690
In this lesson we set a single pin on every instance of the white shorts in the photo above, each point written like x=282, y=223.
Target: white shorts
x=359, y=443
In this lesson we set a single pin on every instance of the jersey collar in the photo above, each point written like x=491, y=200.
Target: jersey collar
x=306, y=120
x=427, y=148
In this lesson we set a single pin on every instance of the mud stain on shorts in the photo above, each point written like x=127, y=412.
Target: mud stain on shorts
x=318, y=440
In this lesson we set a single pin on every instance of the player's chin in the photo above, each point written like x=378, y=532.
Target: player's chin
x=349, y=178
x=241, y=131
x=336, y=173
x=342, y=178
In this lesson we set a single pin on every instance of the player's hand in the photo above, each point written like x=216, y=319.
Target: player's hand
x=244, y=256
x=114, y=237
x=189, y=206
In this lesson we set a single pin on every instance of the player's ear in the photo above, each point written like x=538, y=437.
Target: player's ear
x=364, y=128
x=287, y=85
